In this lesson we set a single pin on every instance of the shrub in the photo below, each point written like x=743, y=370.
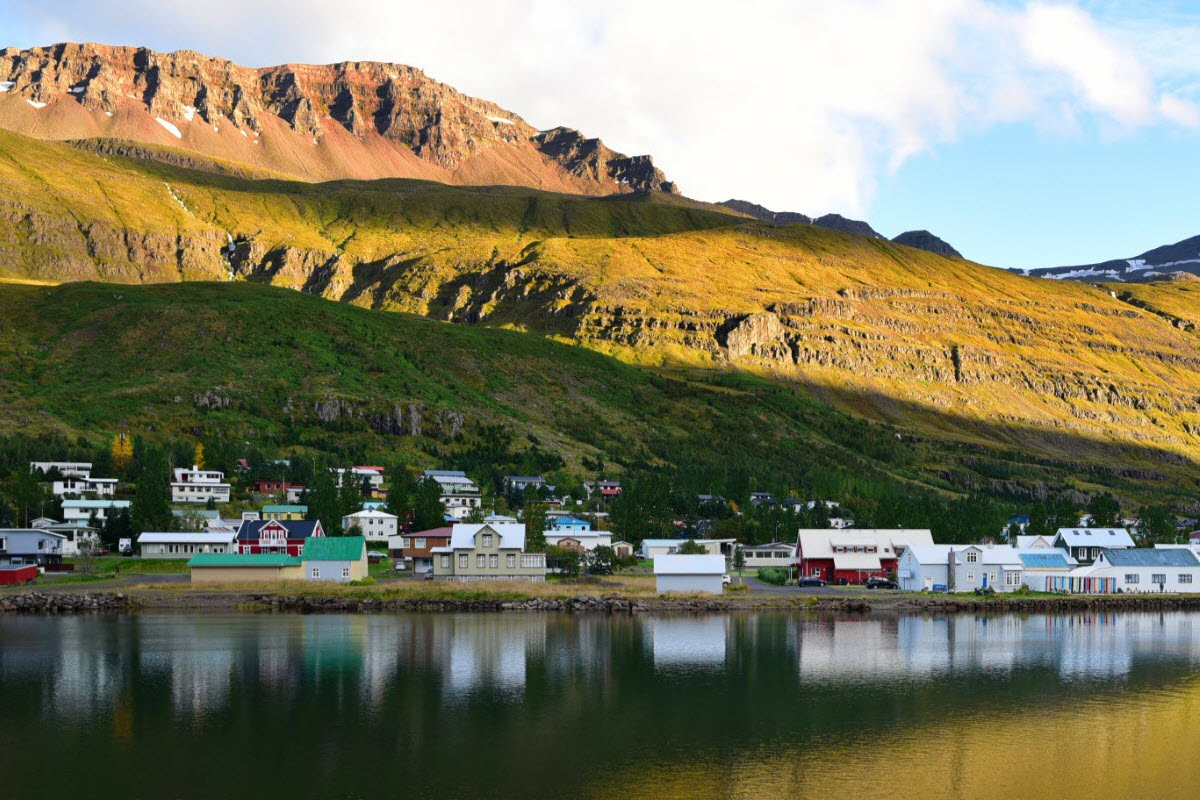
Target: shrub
x=737, y=587
x=367, y=581
x=772, y=575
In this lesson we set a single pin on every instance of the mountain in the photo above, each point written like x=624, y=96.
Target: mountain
x=1010, y=375
x=1161, y=263
x=924, y=240
x=350, y=120
x=839, y=223
x=765, y=214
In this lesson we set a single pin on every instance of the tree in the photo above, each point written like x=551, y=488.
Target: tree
x=122, y=453
x=28, y=494
x=476, y=515
x=350, y=496
x=534, y=517
x=401, y=495
x=198, y=460
x=739, y=562
x=85, y=558
x=1105, y=510
x=324, y=502
x=354, y=530
x=151, y=497
x=602, y=558
x=692, y=548
x=1156, y=526
x=428, y=511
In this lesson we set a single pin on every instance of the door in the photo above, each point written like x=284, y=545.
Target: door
x=985, y=580
x=928, y=582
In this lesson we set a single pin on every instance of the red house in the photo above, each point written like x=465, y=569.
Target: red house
x=276, y=535
x=853, y=555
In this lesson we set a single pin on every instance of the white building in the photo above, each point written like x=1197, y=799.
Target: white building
x=70, y=531
x=373, y=524
x=1031, y=542
x=1136, y=570
x=776, y=554
x=76, y=487
x=575, y=539
x=653, y=548
x=960, y=567
x=1042, y=565
x=197, y=485
x=185, y=545
x=680, y=574
x=68, y=469
x=1085, y=544
x=374, y=475
x=81, y=510
x=458, y=493
x=520, y=483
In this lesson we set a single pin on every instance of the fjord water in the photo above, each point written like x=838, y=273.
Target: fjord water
x=556, y=706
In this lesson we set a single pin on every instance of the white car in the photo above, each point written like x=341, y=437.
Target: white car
x=726, y=580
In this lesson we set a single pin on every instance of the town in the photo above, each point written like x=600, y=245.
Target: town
x=358, y=524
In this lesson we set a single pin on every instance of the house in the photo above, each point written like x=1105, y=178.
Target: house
x=374, y=525
x=245, y=568
x=279, y=487
x=579, y=541
x=372, y=475
x=71, y=531
x=488, y=552
x=519, y=483
x=277, y=536
x=606, y=489
x=1030, y=542
x=184, y=545
x=82, y=510
x=284, y=511
x=623, y=549
x=339, y=559
x=458, y=493
x=1041, y=566
x=418, y=547
x=197, y=519
x=924, y=567
x=570, y=524
x=853, y=555
x=68, y=469
x=1137, y=570
x=978, y=566
x=1085, y=544
x=77, y=487
x=38, y=546
x=653, y=548
x=197, y=485
x=1020, y=520
x=499, y=518
x=762, y=499
x=775, y=554
x=678, y=574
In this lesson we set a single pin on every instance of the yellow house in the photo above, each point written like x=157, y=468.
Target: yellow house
x=245, y=568
x=285, y=512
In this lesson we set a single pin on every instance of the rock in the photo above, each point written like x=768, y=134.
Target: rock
x=924, y=240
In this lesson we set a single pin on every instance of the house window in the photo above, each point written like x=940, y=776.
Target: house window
x=511, y=561
x=316, y=572
x=487, y=540
x=445, y=562
x=1159, y=578
x=1095, y=553
x=970, y=577
x=972, y=557
x=420, y=542
x=480, y=561
x=345, y=572
x=1132, y=578
x=462, y=561
x=1012, y=579
x=494, y=561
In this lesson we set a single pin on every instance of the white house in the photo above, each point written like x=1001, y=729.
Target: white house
x=374, y=475
x=373, y=525
x=76, y=487
x=582, y=540
x=1030, y=542
x=519, y=483
x=81, y=510
x=680, y=574
x=653, y=548
x=68, y=469
x=458, y=493
x=70, y=531
x=197, y=485
x=924, y=567
x=775, y=554
x=1136, y=570
x=185, y=545
x=959, y=568
x=1085, y=544
x=1043, y=565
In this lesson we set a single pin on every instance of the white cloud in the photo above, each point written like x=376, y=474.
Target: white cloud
x=799, y=105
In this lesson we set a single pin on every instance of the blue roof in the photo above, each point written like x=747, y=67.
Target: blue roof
x=1147, y=557
x=296, y=528
x=1044, y=561
x=1020, y=519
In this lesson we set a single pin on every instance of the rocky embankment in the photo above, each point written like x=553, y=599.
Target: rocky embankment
x=61, y=603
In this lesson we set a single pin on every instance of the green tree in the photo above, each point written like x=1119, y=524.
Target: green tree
x=534, y=517
x=324, y=502
x=28, y=494
x=401, y=494
x=350, y=497
x=692, y=548
x=428, y=510
x=1156, y=526
x=739, y=562
x=151, y=497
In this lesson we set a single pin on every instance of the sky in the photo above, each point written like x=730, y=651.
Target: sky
x=1026, y=134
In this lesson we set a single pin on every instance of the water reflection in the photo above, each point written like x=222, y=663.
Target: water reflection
x=553, y=705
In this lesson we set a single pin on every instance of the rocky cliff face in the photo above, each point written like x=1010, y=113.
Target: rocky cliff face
x=348, y=120
x=924, y=240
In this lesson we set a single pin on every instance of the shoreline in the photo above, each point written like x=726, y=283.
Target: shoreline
x=286, y=599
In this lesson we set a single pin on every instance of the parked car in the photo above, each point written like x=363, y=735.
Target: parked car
x=401, y=565
x=376, y=555
x=600, y=570
x=726, y=580
x=881, y=583
x=810, y=580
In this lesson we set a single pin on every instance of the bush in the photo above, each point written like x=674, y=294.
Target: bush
x=772, y=575
x=737, y=587
x=367, y=581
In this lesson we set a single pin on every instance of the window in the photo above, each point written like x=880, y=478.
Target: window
x=316, y=573
x=1095, y=553
x=511, y=562
x=487, y=540
x=1185, y=577
x=345, y=572
x=532, y=561
x=494, y=561
x=1132, y=578
x=1012, y=579
x=462, y=561
x=1158, y=577
x=405, y=541
x=420, y=542
x=445, y=562
x=480, y=561
x=970, y=577
x=972, y=557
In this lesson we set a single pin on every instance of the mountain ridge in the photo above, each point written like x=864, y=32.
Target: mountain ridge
x=1157, y=264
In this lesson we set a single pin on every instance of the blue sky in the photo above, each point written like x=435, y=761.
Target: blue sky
x=1024, y=133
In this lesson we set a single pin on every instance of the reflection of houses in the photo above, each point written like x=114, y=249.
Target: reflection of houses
x=490, y=652
x=686, y=641
x=853, y=555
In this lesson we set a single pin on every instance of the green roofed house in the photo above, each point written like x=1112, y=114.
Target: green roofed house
x=340, y=559
x=284, y=512
x=245, y=568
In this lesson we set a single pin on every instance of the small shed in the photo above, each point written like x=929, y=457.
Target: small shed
x=339, y=559
x=11, y=575
x=245, y=568
x=690, y=573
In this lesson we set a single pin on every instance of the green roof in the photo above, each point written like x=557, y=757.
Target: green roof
x=334, y=548
x=285, y=509
x=244, y=560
